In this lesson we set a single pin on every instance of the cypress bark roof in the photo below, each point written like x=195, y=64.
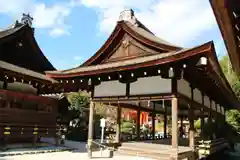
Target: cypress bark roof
x=22, y=32
x=25, y=72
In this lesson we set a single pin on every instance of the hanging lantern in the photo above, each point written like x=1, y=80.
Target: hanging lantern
x=203, y=61
x=149, y=103
x=109, y=77
x=159, y=71
x=6, y=77
x=89, y=82
x=170, y=72
x=145, y=73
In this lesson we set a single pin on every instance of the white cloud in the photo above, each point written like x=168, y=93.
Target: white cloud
x=45, y=17
x=77, y=58
x=178, y=21
x=14, y=7
x=56, y=32
x=50, y=17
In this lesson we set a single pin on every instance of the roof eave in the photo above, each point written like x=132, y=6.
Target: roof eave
x=225, y=26
x=197, y=50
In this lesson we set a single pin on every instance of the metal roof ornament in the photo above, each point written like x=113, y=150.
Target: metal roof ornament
x=26, y=19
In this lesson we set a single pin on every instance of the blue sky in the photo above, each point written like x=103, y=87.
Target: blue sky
x=70, y=31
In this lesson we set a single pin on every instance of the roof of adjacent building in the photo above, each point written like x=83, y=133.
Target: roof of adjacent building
x=25, y=35
x=227, y=13
x=25, y=72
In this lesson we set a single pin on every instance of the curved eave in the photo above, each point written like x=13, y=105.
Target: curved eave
x=25, y=72
x=36, y=47
x=221, y=79
x=221, y=13
x=149, y=42
x=131, y=64
x=121, y=25
x=104, y=46
x=9, y=34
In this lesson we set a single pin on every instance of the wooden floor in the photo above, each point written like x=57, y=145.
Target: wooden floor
x=157, y=149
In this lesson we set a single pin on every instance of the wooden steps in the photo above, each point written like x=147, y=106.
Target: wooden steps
x=147, y=150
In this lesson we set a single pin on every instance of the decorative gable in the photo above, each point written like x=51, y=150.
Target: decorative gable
x=128, y=48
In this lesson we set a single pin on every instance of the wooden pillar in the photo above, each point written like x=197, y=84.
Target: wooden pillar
x=202, y=113
x=181, y=119
x=118, y=128
x=174, y=122
x=202, y=119
x=165, y=120
x=138, y=122
x=90, y=128
x=153, y=121
x=191, y=127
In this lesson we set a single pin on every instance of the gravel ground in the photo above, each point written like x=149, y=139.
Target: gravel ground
x=69, y=156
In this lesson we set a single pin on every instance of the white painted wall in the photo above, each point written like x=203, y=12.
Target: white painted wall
x=151, y=85
x=110, y=88
x=197, y=96
x=184, y=88
x=206, y=101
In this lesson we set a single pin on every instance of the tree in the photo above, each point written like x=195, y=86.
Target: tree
x=79, y=105
x=233, y=116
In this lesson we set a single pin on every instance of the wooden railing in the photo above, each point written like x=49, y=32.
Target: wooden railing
x=19, y=131
x=206, y=148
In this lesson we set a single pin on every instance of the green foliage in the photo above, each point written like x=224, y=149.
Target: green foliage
x=79, y=102
x=233, y=116
x=127, y=127
x=197, y=124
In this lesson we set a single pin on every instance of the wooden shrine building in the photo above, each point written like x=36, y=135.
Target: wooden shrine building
x=23, y=113
x=227, y=13
x=134, y=66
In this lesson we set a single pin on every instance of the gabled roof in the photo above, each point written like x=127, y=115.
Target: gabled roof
x=136, y=30
x=227, y=13
x=156, y=59
x=24, y=32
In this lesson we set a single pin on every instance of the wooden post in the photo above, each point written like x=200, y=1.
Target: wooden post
x=138, y=122
x=174, y=122
x=191, y=128
x=118, y=128
x=165, y=120
x=181, y=119
x=153, y=121
x=202, y=120
x=90, y=128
